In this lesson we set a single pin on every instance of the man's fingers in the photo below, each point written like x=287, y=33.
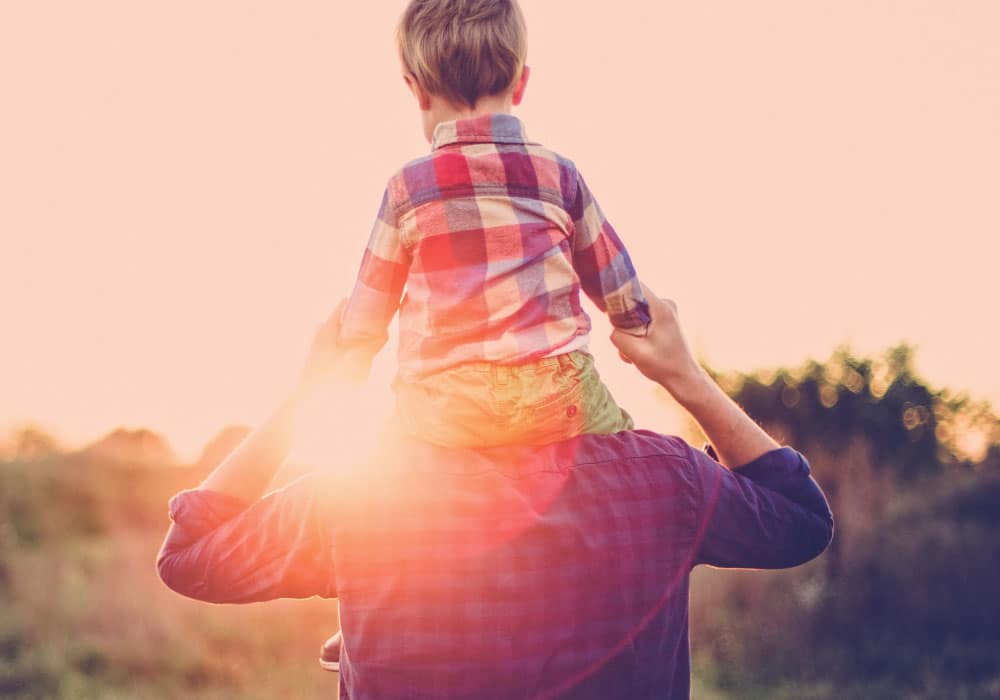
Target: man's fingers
x=337, y=317
x=652, y=298
x=329, y=330
x=628, y=345
x=658, y=306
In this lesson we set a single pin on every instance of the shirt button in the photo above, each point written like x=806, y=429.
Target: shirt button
x=571, y=411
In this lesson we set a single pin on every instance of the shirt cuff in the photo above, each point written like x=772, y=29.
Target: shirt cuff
x=636, y=331
x=634, y=322
x=200, y=511
x=783, y=461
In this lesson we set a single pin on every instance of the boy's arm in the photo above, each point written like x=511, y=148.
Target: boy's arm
x=604, y=267
x=377, y=292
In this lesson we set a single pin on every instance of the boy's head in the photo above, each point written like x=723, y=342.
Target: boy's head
x=463, y=50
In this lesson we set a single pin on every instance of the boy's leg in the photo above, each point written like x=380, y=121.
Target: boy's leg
x=565, y=397
x=601, y=413
x=454, y=408
x=486, y=405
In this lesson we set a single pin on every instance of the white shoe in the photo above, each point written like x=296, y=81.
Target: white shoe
x=329, y=653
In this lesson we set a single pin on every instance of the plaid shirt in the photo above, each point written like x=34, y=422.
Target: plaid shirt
x=493, y=237
x=552, y=572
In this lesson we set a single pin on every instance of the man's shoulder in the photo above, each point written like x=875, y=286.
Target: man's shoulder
x=626, y=445
x=584, y=451
x=666, y=458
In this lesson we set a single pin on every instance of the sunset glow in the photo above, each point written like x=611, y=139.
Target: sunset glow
x=187, y=190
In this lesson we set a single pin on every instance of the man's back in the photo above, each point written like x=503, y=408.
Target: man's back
x=521, y=573
x=559, y=571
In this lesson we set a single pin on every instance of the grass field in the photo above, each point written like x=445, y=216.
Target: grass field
x=85, y=616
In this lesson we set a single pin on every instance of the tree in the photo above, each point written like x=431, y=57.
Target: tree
x=31, y=444
x=910, y=427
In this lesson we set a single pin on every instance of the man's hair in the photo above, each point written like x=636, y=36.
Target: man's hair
x=463, y=50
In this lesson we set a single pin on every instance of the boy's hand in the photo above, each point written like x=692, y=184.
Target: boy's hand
x=663, y=353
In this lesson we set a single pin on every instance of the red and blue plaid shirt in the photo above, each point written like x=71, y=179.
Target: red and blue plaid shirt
x=493, y=237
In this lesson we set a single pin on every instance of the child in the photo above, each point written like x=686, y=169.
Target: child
x=493, y=237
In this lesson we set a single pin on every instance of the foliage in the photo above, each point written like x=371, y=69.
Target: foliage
x=84, y=615
x=903, y=603
x=912, y=427
x=912, y=609
x=30, y=443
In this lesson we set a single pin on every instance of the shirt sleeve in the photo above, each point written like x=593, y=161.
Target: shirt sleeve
x=603, y=265
x=768, y=514
x=220, y=550
x=379, y=287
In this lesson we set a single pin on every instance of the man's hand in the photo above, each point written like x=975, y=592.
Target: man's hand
x=324, y=359
x=665, y=357
x=663, y=353
x=248, y=469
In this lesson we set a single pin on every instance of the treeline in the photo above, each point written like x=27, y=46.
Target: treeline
x=904, y=603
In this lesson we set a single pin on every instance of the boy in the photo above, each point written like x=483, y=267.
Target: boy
x=493, y=237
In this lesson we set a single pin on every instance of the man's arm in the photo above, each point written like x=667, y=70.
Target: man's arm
x=766, y=511
x=665, y=357
x=246, y=472
x=222, y=550
x=767, y=514
x=228, y=545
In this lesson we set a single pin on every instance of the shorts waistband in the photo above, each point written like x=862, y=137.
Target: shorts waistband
x=569, y=360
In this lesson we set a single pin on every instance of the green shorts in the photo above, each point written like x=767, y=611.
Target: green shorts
x=481, y=404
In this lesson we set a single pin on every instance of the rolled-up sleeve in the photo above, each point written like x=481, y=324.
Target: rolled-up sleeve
x=220, y=550
x=768, y=514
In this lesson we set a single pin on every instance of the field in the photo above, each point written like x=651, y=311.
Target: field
x=903, y=605
x=85, y=615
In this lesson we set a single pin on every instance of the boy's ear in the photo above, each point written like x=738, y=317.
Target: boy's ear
x=521, y=86
x=423, y=98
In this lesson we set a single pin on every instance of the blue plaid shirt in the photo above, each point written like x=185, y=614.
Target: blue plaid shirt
x=549, y=572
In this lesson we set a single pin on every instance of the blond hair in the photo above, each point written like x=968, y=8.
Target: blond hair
x=463, y=50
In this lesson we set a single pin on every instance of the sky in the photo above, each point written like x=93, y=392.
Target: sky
x=186, y=189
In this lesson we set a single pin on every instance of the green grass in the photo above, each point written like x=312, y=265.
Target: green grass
x=83, y=614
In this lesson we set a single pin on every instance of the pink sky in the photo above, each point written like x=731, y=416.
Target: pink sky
x=186, y=188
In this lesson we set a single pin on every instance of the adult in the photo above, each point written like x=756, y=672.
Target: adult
x=514, y=572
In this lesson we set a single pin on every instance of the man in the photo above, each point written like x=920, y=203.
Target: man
x=511, y=572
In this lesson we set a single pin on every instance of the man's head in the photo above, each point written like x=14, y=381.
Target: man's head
x=461, y=51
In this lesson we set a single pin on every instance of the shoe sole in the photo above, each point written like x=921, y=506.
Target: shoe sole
x=330, y=665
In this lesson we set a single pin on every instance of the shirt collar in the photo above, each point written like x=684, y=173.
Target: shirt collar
x=489, y=128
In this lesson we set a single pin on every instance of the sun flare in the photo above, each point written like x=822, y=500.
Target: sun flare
x=340, y=427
